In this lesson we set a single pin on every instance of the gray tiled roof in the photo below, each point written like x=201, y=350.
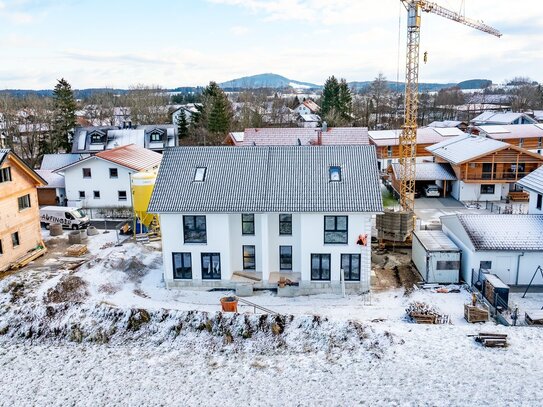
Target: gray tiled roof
x=429, y=172
x=3, y=154
x=53, y=162
x=533, y=181
x=267, y=179
x=504, y=232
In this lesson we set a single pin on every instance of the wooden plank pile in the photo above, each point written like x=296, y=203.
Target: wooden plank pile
x=475, y=314
x=534, y=318
x=76, y=250
x=423, y=313
x=491, y=340
x=28, y=257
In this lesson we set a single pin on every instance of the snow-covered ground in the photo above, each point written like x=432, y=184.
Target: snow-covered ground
x=123, y=339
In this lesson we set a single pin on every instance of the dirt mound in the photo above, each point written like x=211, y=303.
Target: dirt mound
x=69, y=289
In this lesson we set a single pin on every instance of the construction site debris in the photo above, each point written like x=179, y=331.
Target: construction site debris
x=475, y=314
x=423, y=313
x=491, y=340
x=394, y=226
x=534, y=317
x=76, y=250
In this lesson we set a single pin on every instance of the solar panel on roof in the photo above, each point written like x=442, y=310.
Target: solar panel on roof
x=494, y=129
x=448, y=131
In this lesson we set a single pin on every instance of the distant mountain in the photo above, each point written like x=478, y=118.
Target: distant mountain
x=267, y=80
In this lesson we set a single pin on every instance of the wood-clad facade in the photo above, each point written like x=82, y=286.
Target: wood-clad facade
x=20, y=229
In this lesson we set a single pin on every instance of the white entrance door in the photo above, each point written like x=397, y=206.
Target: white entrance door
x=503, y=268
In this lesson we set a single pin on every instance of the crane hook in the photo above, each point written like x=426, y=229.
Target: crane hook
x=425, y=56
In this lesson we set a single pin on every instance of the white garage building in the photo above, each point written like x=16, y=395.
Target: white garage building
x=510, y=246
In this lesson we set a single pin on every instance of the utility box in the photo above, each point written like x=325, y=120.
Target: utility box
x=436, y=257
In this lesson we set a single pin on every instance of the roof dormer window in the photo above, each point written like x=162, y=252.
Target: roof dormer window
x=335, y=174
x=155, y=137
x=96, y=138
x=200, y=174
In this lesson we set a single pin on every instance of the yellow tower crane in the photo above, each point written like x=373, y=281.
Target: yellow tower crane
x=408, y=138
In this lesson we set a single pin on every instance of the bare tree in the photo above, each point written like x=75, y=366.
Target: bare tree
x=147, y=104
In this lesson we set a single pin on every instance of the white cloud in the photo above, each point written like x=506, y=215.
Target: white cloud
x=239, y=30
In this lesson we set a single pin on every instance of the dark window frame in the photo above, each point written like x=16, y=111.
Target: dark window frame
x=447, y=265
x=247, y=258
x=200, y=171
x=212, y=276
x=336, y=230
x=283, y=222
x=96, y=194
x=247, y=222
x=24, y=202
x=113, y=171
x=82, y=195
x=119, y=195
x=349, y=274
x=195, y=230
x=15, y=239
x=488, y=187
x=186, y=270
x=486, y=263
x=320, y=271
x=1, y=248
x=539, y=201
x=96, y=138
x=5, y=175
x=83, y=170
x=283, y=255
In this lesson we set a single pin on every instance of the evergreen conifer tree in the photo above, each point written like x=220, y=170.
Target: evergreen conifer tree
x=217, y=111
x=63, y=118
x=330, y=97
x=182, y=125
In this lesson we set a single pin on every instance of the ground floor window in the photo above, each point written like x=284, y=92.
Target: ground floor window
x=487, y=189
x=485, y=265
x=211, y=266
x=320, y=267
x=447, y=265
x=539, y=203
x=15, y=239
x=182, y=266
x=249, y=262
x=350, y=264
x=285, y=257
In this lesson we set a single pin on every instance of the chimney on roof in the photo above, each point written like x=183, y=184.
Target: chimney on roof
x=319, y=137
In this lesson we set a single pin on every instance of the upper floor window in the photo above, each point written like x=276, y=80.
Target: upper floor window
x=5, y=174
x=285, y=224
x=247, y=224
x=87, y=173
x=155, y=137
x=122, y=195
x=389, y=151
x=194, y=229
x=113, y=173
x=539, y=202
x=335, y=173
x=335, y=229
x=24, y=202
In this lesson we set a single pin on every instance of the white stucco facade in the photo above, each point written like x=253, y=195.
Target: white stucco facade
x=464, y=191
x=100, y=180
x=224, y=236
x=533, y=208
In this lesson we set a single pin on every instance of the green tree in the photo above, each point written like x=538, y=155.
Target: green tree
x=182, y=125
x=345, y=100
x=63, y=118
x=330, y=97
x=217, y=112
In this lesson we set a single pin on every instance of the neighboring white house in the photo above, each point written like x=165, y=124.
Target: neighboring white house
x=283, y=211
x=533, y=184
x=309, y=120
x=103, y=180
x=489, y=118
x=307, y=107
x=189, y=110
x=510, y=246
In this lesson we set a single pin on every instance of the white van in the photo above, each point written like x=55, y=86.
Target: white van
x=68, y=217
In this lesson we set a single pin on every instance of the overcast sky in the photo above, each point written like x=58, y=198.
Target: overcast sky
x=118, y=43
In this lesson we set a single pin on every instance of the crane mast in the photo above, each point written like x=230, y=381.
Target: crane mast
x=408, y=137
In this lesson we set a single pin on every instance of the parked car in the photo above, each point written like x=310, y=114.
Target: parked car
x=432, y=191
x=68, y=217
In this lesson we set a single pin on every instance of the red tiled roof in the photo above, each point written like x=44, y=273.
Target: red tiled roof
x=306, y=136
x=132, y=156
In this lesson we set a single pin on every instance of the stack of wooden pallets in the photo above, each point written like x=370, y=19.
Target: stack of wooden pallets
x=491, y=340
x=475, y=314
x=76, y=250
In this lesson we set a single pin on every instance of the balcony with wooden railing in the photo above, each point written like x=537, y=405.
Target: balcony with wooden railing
x=498, y=172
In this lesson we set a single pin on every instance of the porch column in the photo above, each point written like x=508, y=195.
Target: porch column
x=265, y=250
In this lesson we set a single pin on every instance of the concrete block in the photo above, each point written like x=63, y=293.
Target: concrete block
x=244, y=290
x=288, y=291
